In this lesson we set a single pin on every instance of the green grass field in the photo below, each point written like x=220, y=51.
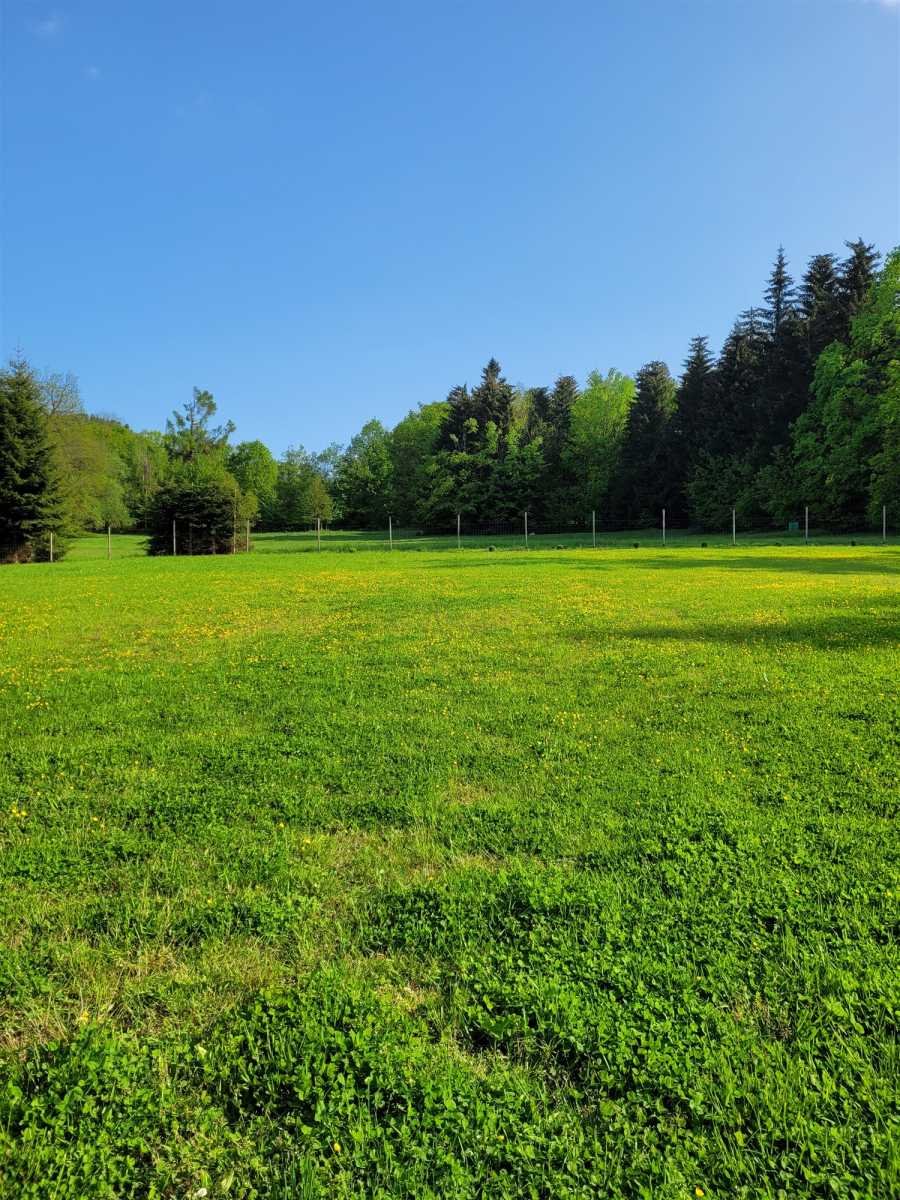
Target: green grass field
x=566, y=873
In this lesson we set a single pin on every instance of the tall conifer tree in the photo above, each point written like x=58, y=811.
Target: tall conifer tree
x=786, y=374
x=553, y=425
x=455, y=430
x=779, y=294
x=492, y=400
x=696, y=401
x=740, y=372
x=648, y=480
x=31, y=499
x=858, y=272
x=820, y=304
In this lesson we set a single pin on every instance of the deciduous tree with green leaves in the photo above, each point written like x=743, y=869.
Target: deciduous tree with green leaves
x=363, y=478
x=256, y=471
x=413, y=444
x=597, y=422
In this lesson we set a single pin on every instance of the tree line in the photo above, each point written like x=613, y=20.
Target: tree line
x=800, y=406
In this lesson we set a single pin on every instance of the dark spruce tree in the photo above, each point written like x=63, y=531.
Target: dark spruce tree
x=551, y=424
x=538, y=412
x=471, y=413
x=779, y=294
x=31, y=497
x=786, y=375
x=696, y=413
x=858, y=272
x=466, y=475
x=740, y=372
x=820, y=305
x=724, y=467
x=559, y=410
x=492, y=401
x=196, y=510
x=823, y=319
x=456, y=430
x=648, y=479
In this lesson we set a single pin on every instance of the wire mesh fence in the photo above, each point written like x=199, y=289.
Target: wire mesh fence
x=525, y=532
x=508, y=533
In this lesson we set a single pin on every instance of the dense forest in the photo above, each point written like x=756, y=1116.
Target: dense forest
x=800, y=406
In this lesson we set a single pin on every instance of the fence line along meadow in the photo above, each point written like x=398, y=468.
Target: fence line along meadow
x=593, y=531
x=190, y=540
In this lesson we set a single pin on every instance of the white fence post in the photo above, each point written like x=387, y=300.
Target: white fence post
x=458, y=534
x=318, y=533
x=174, y=542
x=51, y=545
x=248, y=535
x=733, y=527
x=109, y=541
x=526, y=529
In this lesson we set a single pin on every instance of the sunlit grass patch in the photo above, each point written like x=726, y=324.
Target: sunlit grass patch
x=561, y=873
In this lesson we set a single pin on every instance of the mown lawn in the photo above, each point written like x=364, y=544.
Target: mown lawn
x=565, y=873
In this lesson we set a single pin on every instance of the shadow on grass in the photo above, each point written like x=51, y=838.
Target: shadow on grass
x=887, y=564
x=800, y=561
x=845, y=629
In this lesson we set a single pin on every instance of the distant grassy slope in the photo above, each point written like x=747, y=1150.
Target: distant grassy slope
x=566, y=873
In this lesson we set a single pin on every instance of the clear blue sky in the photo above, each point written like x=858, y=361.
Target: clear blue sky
x=326, y=212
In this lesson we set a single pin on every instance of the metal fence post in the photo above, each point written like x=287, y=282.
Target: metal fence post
x=458, y=534
x=733, y=527
x=174, y=542
x=526, y=529
x=390, y=533
x=109, y=541
x=806, y=523
x=51, y=545
x=594, y=527
x=664, y=526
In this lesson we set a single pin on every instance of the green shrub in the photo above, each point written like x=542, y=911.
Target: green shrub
x=199, y=506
